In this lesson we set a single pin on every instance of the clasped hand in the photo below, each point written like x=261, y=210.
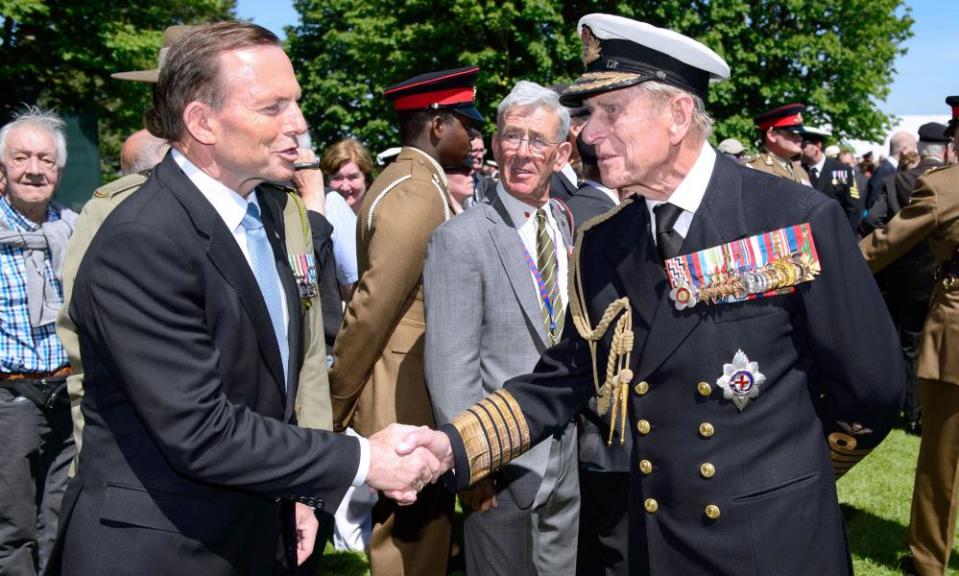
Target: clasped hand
x=404, y=459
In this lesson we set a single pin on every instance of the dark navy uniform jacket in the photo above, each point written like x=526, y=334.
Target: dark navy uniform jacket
x=716, y=490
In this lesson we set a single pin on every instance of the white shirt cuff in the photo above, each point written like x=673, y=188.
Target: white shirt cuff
x=364, y=468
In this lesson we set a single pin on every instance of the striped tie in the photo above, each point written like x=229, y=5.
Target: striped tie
x=546, y=262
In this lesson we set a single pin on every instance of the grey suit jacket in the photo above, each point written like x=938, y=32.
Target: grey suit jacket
x=484, y=324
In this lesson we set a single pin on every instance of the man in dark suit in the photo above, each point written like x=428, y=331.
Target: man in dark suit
x=743, y=409
x=189, y=322
x=899, y=144
x=830, y=176
x=603, y=469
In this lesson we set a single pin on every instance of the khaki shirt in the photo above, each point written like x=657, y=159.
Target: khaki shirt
x=768, y=162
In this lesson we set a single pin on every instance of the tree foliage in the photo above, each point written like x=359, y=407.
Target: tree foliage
x=835, y=55
x=60, y=54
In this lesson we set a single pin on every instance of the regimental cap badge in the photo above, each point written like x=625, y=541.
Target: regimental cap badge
x=591, y=48
x=741, y=380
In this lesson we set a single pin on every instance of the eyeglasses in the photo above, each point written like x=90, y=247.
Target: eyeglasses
x=537, y=144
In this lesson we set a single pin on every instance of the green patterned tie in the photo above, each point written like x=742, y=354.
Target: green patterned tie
x=548, y=270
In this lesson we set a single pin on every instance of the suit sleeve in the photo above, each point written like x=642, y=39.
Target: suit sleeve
x=402, y=224
x=144, y=308
x=857, y=360
x=911, y=225
x=453, y=293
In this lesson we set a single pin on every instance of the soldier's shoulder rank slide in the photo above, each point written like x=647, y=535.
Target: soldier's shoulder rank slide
x=746, y=269
x=304, y=270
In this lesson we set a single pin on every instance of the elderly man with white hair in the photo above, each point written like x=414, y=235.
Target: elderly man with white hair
x=34, y=409
x=723, y=316
x=495, y=291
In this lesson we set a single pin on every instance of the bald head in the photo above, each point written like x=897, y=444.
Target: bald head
x=141, y=151
x=900, y=143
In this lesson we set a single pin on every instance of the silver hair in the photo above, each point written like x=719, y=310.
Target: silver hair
x=44, y=120
x=661, y=93
x=937, y=149
x=528, y=94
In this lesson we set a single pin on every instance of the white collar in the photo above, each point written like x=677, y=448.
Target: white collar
x=819, y=165
x=689, y=194
x=520, y=212
x=613, y=195
x=893, y=160
x=433, y=161
x=228, y=204
x=570, y=174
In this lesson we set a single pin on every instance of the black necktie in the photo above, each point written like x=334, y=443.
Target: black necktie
x=813, y=175
x=668, y=241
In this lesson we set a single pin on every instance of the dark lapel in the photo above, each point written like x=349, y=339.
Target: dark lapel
x=226, y=256
x=718, y=220
x=276, y=232
x=640, y=273
x=510, y=249
x=589, y=191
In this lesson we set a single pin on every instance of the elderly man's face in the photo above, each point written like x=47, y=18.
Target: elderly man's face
x=527, y=151
x=30, y=167
x=631, y=135
x=257, y=126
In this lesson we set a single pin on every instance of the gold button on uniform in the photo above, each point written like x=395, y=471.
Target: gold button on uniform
x=643, y=426
x=707, y=470
x=651, y=505
x=645, y=466
x=712, y=511
x=704, y=389
x=706, y=430
x=641, y=388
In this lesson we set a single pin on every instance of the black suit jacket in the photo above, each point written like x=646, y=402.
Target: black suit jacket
x=189, y=442
x=884, y=170
x=839, y=182
x=833, y=385
x=560, y=187
x=587, y=202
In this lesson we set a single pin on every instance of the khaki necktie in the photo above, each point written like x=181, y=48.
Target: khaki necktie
x=548, y=270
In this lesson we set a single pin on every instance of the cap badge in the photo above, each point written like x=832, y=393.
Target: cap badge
x=741, y=380
x=590, y=45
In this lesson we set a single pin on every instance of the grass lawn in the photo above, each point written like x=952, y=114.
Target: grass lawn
x=875, y=496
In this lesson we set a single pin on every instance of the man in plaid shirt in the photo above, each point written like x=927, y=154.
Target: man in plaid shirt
x=35, y=428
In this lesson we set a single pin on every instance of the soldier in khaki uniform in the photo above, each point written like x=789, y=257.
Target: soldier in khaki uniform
x=377, y=375
x=780, y=133
x=932, y=215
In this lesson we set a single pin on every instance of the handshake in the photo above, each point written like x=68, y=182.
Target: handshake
x=404, y=459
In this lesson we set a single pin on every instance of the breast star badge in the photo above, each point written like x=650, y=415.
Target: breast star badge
x=741, y=380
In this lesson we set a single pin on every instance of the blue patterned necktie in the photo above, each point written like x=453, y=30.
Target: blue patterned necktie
x=264, y=268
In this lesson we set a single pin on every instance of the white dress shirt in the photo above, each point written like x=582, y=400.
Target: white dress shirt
x=524, y=220
x=689, y=194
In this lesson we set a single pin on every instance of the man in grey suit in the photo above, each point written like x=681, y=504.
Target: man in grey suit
x=495, y=287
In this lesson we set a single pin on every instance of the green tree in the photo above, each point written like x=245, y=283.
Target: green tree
x=836, y=55
x=60, y=54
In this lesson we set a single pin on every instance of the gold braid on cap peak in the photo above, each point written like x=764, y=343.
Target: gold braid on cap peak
x=494, y=431
x=614, y=392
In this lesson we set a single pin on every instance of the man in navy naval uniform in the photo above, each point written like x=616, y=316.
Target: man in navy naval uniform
x=741, y=414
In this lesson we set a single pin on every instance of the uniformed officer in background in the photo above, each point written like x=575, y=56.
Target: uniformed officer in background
x=377, y=376
x=740, y=386
x=932, y=215
x=830, y=176
x=780, y=136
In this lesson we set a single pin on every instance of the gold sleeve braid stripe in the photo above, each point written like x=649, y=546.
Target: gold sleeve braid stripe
x=844, y=452
x=494, y=431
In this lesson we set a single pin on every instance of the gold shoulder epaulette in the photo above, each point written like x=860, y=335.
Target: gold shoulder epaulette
x=123, y=184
